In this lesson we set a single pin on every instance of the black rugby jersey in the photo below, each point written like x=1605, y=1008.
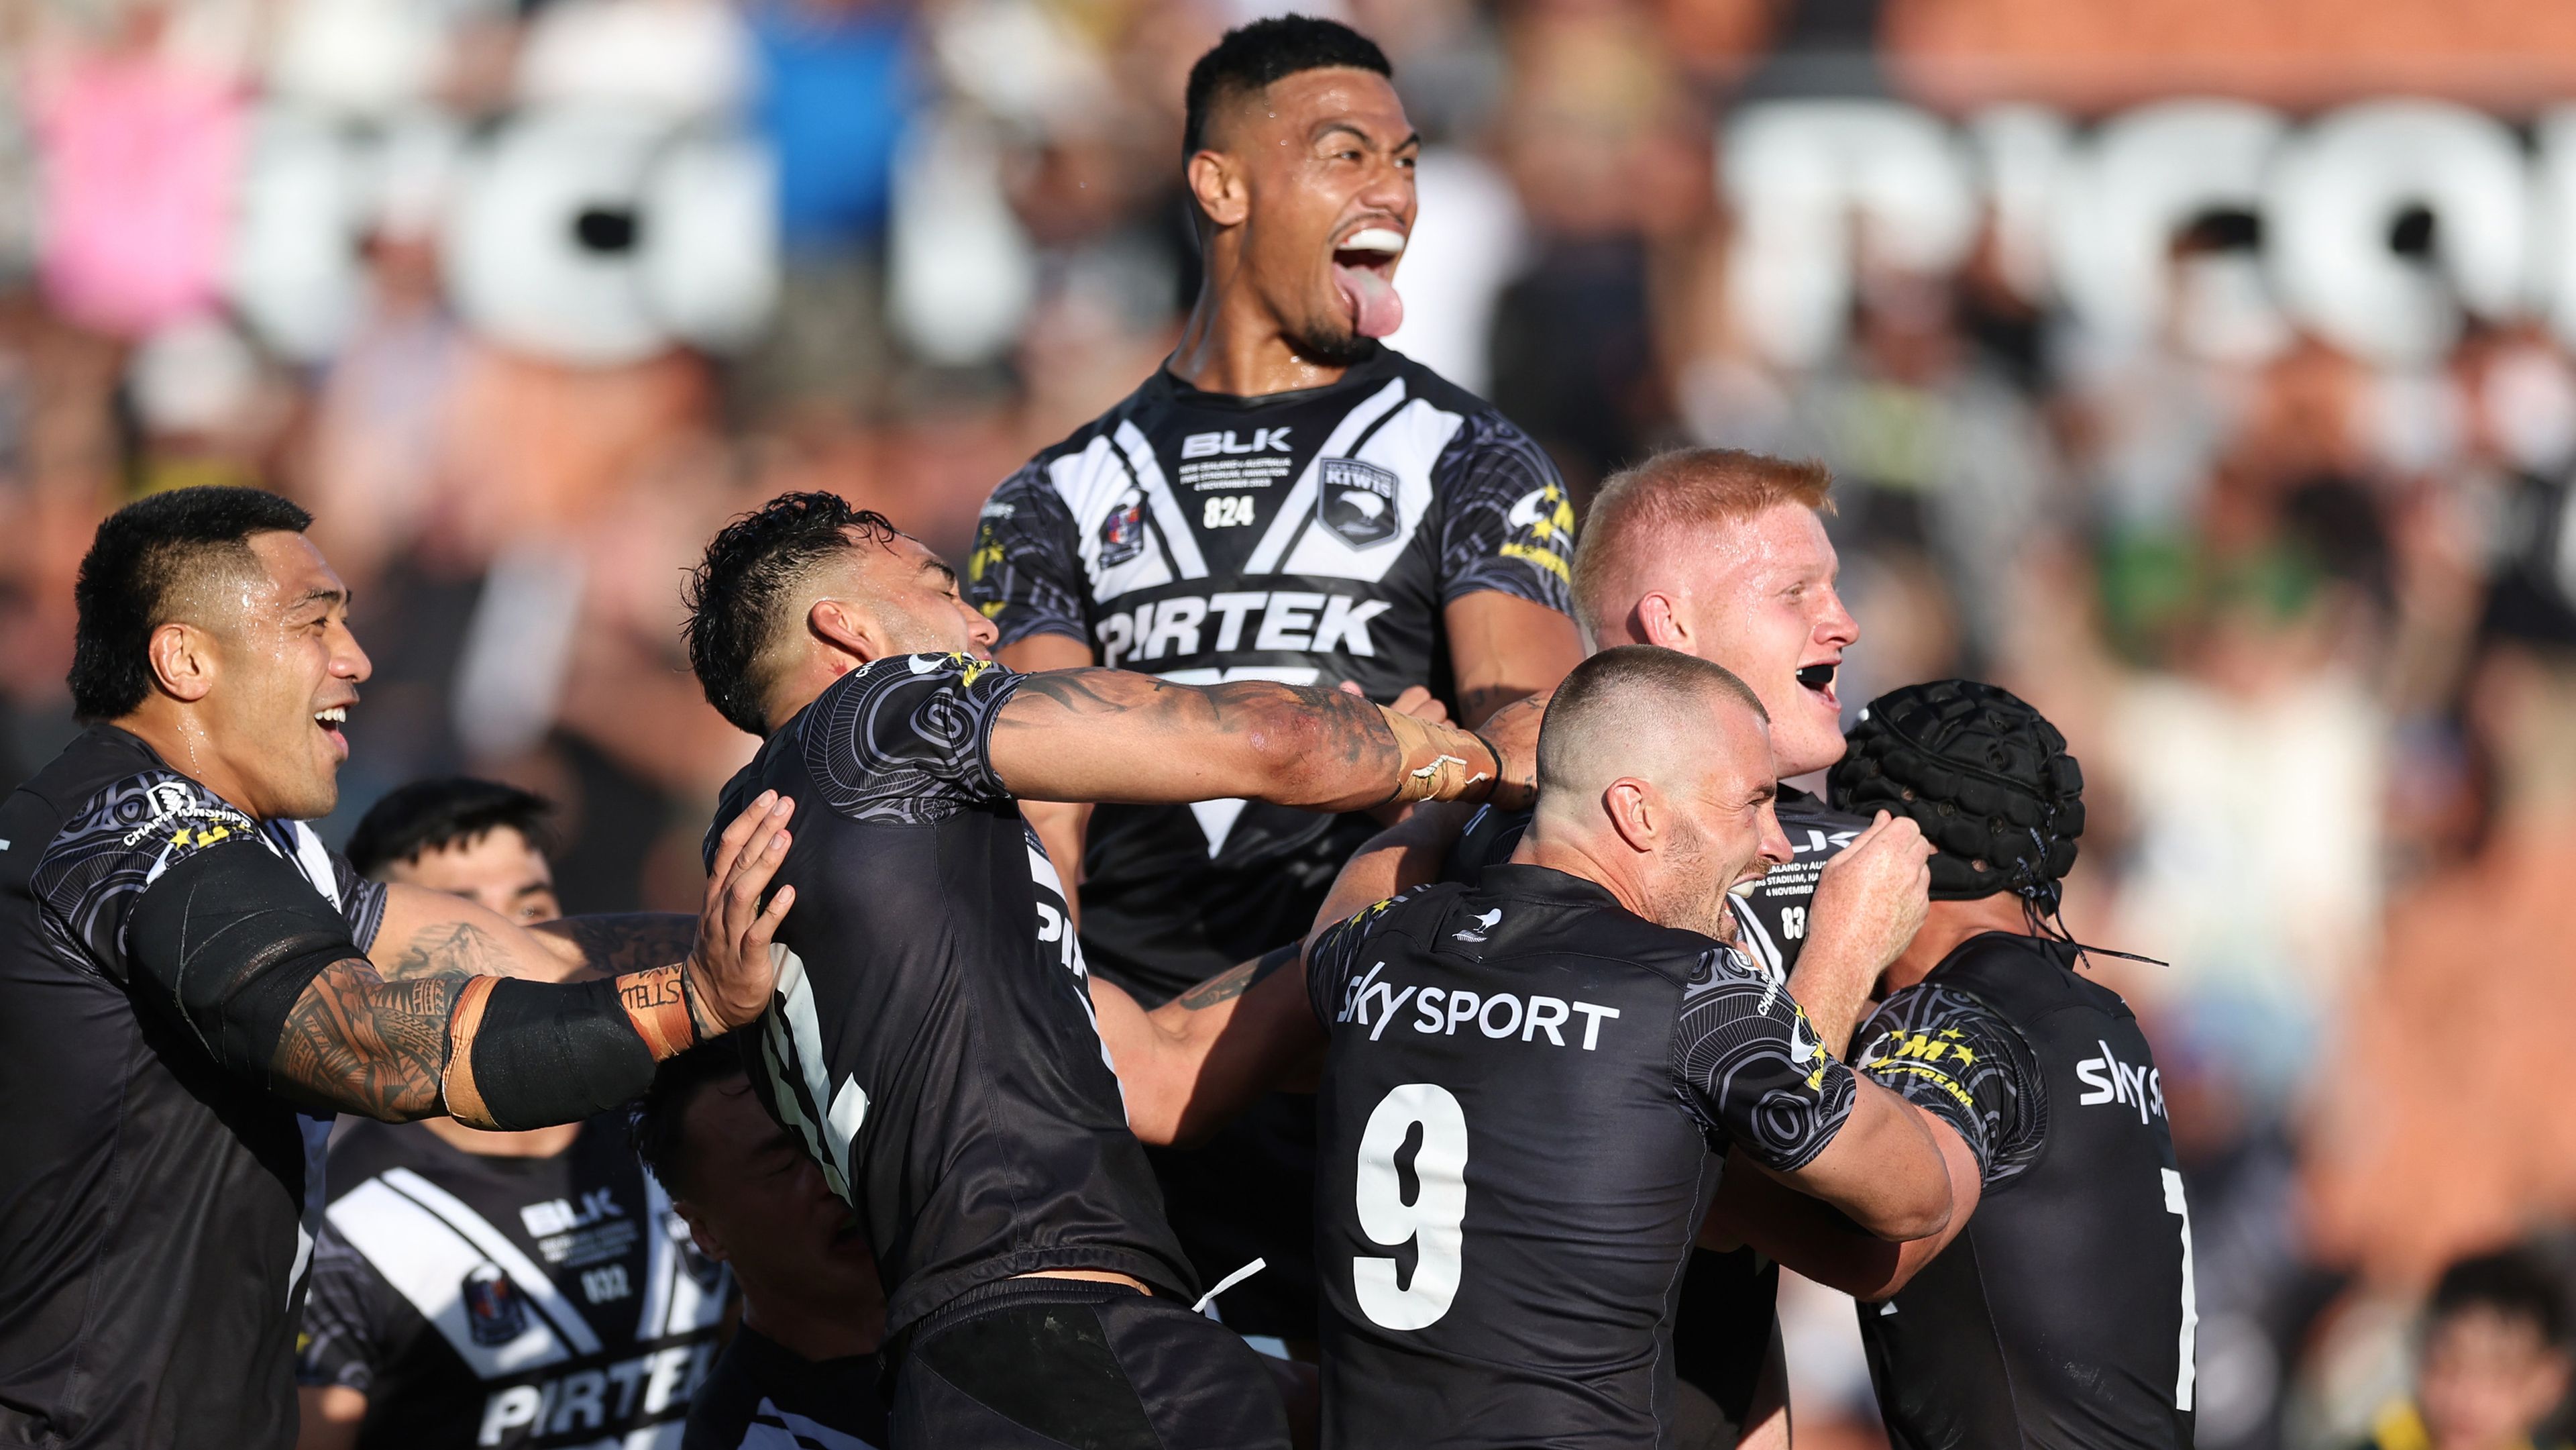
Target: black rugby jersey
x=515, y=1302
x=931, y=1037
x=1730, y=1300
x=1525, y=1105
x=1311, y=537
x=765, y=1396
x=2062, y=1316
x=156, y=1211
x=1771, y=919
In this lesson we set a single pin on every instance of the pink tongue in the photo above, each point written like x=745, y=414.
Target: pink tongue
x=1375, y=309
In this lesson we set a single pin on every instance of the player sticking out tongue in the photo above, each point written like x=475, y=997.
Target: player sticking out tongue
x=1363, y=268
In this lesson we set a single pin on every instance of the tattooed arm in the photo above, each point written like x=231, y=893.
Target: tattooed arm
x=427, y=933
x=1109, y=735
x=1201, y=1058
x=447, y=1039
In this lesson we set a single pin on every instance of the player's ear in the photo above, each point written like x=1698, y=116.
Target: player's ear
x=1636, y=811
x=1658, y=621
x=1218, y=184
x=183, y=661
x=708, y=1241
x=847, y=628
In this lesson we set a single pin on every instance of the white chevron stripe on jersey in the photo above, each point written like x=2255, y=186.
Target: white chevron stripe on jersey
x=1408, y=444
x=772, y=1428
x=1091, y=482
x=1169, y=522
x=1299, y=507
x=427, y=1258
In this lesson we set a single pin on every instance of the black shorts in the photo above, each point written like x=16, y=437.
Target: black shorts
x=1041, y=1364
x=1248, y=1193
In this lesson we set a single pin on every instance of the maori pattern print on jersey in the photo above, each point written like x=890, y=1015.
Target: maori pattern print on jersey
x=1953, y=1056
x=1742, y=1044
x=900, y=741
x=124, y=838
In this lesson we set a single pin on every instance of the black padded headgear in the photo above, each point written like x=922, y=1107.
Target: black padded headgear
x=1985, y=775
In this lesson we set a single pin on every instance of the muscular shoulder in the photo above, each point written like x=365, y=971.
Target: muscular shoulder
x=121, y=838
x=905, y=740
x=1951, y=1053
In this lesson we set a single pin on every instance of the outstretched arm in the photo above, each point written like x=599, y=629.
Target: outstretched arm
x=1195, y=1062
x=261, y=971
x=1109, y=735
x=1061, y=825
x=429, y=933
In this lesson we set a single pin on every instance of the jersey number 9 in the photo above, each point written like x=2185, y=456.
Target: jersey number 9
x=1431, y=1222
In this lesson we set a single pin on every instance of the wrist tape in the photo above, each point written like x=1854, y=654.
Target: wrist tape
x=1441, y=762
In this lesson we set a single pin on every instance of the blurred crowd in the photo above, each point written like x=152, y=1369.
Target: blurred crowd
x=523, y=299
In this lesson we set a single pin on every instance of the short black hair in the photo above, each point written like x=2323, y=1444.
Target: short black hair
x=1252, y=56
x=2515, y=1283
x=656, y=1125
x=432, y=815
x=735, y=593
x=140, y=554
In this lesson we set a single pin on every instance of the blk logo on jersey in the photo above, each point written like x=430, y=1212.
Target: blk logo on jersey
x=1122, y=534
x=1209, y=445
x=1356, y=501
x=495, y=1311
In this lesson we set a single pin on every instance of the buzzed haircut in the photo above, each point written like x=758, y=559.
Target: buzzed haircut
x=739, y=592
x=142, y=555
x=1639, y=512
x=1252, y=56
x=2512, y=1283
x=1613, y=684
x=657, y=1125
x=433, y=815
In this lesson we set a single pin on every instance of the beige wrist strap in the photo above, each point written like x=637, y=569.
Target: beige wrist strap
x=1441, y=762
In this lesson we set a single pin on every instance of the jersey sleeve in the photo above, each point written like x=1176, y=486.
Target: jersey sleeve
x=1026, y=572
x=342, y=1341
x=1335, y=981
x=1953, y=1056
x=1490, y=837
x=907, y=739
x=1753, y=1070
x=362, y=902
x=1507, y=523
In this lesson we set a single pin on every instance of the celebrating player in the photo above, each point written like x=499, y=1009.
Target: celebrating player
x=932, y=1042
x=493, y=1289
x=1723, y=555
x=1549, y=1058
x=802, y=1367
x=2063, y=1315
x=1284, y=499
x=186, y=966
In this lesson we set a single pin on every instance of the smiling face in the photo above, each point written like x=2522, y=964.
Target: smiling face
x=1308, y=184
x=278, y=671
x=1757, y=595
x=757, y=1201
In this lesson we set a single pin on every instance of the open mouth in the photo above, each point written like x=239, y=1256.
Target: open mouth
x=329, y=723
x=1364, y=273
x=1819, y=679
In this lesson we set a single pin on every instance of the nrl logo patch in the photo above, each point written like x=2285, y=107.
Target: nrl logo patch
x=1356, y=501
x=495, y=1311
x=1122, y=534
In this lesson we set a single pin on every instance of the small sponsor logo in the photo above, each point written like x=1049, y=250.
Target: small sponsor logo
x=495, y=1311
x=1122, y=534
x=1209, y=445
x=1356, y=501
